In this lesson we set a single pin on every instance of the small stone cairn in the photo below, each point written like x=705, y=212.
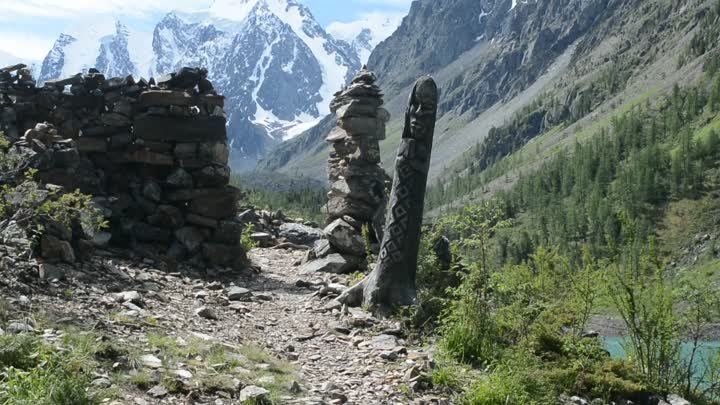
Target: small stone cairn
x=358, y=184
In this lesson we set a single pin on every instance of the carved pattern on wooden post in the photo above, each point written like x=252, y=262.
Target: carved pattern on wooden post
x=392, y=282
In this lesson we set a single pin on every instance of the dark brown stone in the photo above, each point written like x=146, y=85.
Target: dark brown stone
x=225, y=255
x=228, y=232
x=148, y=233
x=54, y=249
x=192, y=237
x=187, y=195
x=164, y=98
x=204, y=129
x=212, y=176
x=115, y=120
x=120, y=141
x=88, y=144
x=214, y=152
x=218, y=206
x=167, y=216
x=201, y=221
x=148, y=157
x=186, y=150
x=179, y=179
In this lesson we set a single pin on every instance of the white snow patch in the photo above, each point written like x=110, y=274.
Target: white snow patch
x=482, y=15
x=381, y=25
x=82, y=54
x=262, y=116
x=514, y=3
x=299, y=127
x=141, y=52
x=333, y=72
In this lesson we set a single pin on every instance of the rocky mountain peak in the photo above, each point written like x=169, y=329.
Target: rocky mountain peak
x=276, y=64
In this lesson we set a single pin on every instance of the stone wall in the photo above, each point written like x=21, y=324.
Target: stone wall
x=153, y=154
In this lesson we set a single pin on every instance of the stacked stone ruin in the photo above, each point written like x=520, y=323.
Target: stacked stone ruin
x=153, y=154
x=358, y=184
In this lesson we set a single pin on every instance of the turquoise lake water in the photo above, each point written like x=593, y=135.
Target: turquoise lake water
x=707, y=350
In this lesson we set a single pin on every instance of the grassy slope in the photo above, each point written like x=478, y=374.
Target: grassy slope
x=657, y=79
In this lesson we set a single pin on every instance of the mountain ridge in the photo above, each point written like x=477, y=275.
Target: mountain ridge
x=274, y=62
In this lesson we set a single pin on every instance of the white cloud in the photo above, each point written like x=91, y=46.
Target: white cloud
x=80, y=8
x=387, y=2
x=24, y=46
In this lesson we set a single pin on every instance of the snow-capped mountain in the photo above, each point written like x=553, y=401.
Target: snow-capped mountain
x=367, y=32
x=275, y=64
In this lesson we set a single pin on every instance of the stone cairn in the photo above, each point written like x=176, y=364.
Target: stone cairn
x=153, y=154
x=358, y=184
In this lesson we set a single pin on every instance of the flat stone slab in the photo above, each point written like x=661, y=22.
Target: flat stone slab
x=383, y=342
x=334, y=263
x=152, y=128
x=164, y=98
x=253, y=393
x=345, y=238
x=300, y=234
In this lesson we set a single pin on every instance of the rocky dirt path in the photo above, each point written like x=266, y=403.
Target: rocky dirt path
x=283, y=332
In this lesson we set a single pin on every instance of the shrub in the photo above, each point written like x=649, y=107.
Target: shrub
x=246, y=240
x=32, y=372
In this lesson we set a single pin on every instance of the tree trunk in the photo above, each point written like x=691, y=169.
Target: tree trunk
x=392, y=283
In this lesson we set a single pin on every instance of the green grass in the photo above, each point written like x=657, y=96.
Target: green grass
x=215, y=366
x=703, y=133
x=35, y=372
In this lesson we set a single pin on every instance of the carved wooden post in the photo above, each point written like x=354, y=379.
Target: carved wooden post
x=392, y=283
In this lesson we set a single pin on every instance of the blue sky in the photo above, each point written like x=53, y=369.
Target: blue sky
x=29, y=27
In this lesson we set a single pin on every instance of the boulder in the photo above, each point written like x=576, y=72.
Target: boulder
x=206, y=312
x=228, y=232
x=167, y=216
x=218, y=207
x=201, y=221
x=300, y=234
x=239, y=294
x=15, y=236
x=115, y=119
x=180, y=178
x=164, y=98
x=217, y=152
x=55, y=250
x=101, y=239
x=147, y=233
x=263, y=239
x=90, y=145
x=192, y=238
x=48, y=271
x=322, y=248
x=175, y=129
x=225, y=255
x=253, y=394
x=212, y=176
x=345, y=238
x=186, y=150
x=17, y=328
x=335, y=263
x=152, y=191
x=674, y=399
x=132, y=297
